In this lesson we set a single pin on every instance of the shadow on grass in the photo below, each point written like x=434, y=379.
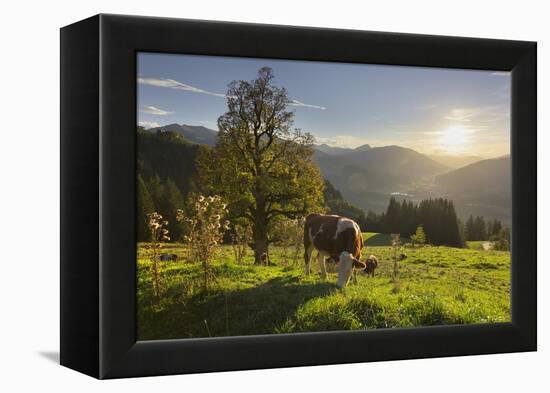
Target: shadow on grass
x=256, y=310
x=378, y=240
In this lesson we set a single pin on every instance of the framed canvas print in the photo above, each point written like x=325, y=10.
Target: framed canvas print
x=240, y=196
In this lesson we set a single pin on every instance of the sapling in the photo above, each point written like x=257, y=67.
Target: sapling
x=241, y=236
x=396, y=245
x=159, y=234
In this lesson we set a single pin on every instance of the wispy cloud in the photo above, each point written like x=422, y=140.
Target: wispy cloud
x=304, y=105
x=174, y=84
x=148, y=124
x=461, y=115
x=153, y=110
x=478, y=115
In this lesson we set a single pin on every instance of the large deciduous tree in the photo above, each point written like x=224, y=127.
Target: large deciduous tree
x=261, y=164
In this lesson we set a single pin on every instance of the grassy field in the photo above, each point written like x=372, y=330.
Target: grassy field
x=373, y=239
x=436, y=285
x=476, y=244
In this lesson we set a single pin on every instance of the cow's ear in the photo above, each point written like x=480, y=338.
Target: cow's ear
x=358, y=264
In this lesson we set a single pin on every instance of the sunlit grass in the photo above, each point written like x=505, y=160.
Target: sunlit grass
x=437, y=285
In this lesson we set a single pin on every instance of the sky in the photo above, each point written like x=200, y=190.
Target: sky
x=432, y=110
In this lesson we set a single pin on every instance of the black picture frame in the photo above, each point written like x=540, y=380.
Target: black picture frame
x=98, y=150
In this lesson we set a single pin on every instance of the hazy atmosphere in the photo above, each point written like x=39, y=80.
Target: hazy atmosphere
x=434, y=111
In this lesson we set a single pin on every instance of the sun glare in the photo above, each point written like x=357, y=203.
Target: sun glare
x=454, y=139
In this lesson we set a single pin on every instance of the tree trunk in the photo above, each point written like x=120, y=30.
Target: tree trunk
x=260, y=238
x=260, y=248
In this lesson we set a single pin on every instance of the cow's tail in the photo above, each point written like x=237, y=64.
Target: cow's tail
x=307, y=226
x=359, y=249
x=361, y=244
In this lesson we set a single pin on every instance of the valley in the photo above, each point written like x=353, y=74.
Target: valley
x=367, y=176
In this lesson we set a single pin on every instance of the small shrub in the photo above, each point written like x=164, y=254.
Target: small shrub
x=240, y=237
x=289, y=235
x=205, y=230
x=419, y=237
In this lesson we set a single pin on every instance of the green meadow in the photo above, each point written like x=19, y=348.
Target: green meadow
x=435, y=286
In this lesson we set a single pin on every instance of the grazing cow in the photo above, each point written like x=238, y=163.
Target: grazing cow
x=168, y=257
x=372, y=264
x=337, y=238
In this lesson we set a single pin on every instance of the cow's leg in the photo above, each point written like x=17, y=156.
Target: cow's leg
x=354, y=276
x=307, y=257
x=322, y=266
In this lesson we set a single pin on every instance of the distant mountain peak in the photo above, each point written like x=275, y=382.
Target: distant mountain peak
x=364, y=147
x=332, y=150
x=170, y=125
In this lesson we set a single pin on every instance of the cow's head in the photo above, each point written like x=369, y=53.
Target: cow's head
x=345, y=266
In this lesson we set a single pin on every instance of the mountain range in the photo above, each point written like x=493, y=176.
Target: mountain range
x=195, y=134
x=338, y=151
x=366, y=176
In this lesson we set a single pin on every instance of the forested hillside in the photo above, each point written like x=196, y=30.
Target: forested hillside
x=336, y=204
x=165, y=168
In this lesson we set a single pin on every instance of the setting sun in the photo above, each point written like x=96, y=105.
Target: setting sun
x=455, y=138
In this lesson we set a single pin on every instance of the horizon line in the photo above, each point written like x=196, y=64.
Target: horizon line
x=373, y=146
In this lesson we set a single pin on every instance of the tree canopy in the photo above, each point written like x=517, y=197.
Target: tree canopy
x=261, y=164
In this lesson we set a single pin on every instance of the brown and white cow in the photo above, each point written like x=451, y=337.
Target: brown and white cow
x=337, y=238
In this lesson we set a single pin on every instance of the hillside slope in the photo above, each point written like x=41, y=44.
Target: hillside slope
x=482, y=188
x=455, y=162
x=367, y=177
x=167, y=155
x=492, y=174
